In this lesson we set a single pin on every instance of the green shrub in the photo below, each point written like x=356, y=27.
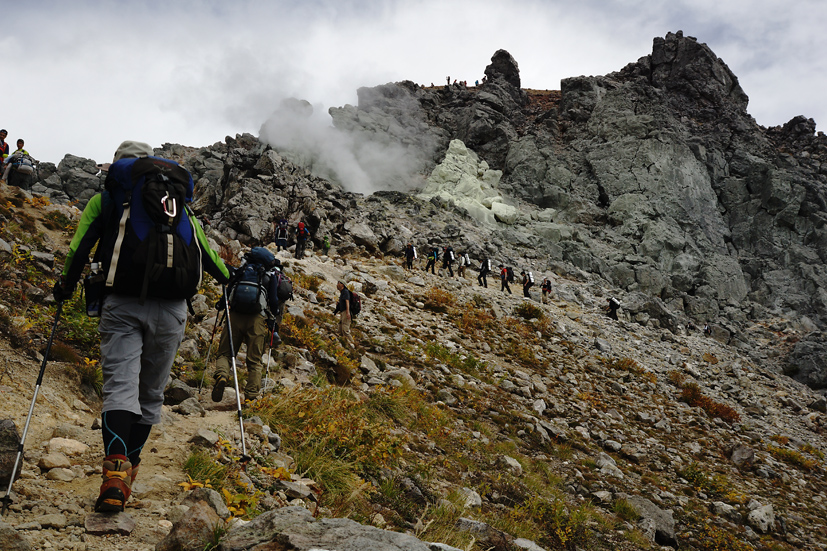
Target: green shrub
x=529, y=310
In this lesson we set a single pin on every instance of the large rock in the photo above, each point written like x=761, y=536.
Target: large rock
x=504, y=66
x=193, y=531
x=807, y=362
x=79, y=178
x=658, y=524
x=9, y=442
x=639, y=303
x=462, y=180
x=762, y=518
x=295, y=528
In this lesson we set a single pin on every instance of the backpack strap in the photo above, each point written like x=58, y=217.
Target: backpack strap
x=116, y=252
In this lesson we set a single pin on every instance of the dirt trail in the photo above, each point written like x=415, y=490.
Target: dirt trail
x=51, y=513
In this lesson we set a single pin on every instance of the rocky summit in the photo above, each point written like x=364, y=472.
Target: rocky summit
x=466, y=417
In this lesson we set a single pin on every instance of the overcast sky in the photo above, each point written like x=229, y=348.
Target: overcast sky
x=82, y=76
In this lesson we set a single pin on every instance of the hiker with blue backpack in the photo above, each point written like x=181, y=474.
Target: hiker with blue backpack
x=150, y=257
x=256, y=295
x=433, y=256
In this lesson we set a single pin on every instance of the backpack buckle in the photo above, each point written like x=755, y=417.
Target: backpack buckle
x=165, y=202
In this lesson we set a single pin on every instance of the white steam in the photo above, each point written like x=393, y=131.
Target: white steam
x=360, y=159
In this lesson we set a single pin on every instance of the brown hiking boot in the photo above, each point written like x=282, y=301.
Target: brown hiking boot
x=117, y=484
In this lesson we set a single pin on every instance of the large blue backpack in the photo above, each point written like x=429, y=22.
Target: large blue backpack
x=155, y=251
x=248, y=294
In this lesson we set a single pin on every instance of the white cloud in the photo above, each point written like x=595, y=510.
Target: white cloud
x=83, y=76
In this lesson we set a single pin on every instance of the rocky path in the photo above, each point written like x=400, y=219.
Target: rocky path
x=55, y=494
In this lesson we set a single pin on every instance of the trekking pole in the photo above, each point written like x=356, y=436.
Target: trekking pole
x=270, y=351
x=244, y=456
x=209, y=349
x=6, y=499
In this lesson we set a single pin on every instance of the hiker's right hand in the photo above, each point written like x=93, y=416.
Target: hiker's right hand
x=61, y=291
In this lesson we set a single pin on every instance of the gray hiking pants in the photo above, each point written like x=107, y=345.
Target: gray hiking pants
x=138, y=346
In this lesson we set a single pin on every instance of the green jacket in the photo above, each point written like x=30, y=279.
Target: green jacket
x=92, y=230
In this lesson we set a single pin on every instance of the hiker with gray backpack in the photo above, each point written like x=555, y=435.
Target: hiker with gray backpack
x=19, y=167
x=447, y=260
x=485, y=268
x=528, y=283
x=151, y=253
x=256, y=296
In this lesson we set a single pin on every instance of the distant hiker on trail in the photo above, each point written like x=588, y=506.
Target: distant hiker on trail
x=464, y=262
x=302, y=233
x=448, y=259
x=144, y=310
x=707, y=330
x=22, y=163
x=448, y=81
x=433, y=256
x=256, y=311
x=614, y=304
x=326, y=245
x=4, y=147
x=485, y=267
x=528, y=283
x=343, y=309
x=280, y=234
x=504, y=279
x=410, y=256
x=546, y=290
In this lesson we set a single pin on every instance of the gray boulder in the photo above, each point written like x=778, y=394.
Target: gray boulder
x=807, y=363
x=9, y=441
x=193, y=531
x=177, y=391
x=658, y=524
x=295, y=528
